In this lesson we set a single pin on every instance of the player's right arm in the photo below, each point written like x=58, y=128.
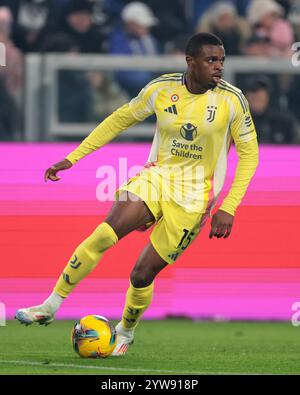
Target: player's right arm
x=138, y=109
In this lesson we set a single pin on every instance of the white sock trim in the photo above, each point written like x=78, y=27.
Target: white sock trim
x=121, y=329
x=53, y=302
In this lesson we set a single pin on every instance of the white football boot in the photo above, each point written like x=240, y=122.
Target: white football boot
x=39, y=314
x=124, y=340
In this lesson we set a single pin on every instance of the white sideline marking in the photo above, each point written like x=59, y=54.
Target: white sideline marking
x=65, y=365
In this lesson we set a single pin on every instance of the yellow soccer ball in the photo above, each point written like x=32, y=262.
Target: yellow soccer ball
x=93, y=336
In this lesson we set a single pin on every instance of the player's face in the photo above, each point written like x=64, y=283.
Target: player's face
x=206, y=68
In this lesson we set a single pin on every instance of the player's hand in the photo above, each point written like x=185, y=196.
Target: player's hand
x=221, y=224
x=50, y=174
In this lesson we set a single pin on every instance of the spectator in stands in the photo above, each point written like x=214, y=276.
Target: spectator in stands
x=293, y=95
x=74, y=91
x=197, y=8
x=12, y=74
x=222, y=20
x=106, y=95
x=79, y=25
x=9, y=118
x=258, y=45
x=266, y=17
x=134, y=38
x=294, y=18
x=60, y=43
x=34, y=19
x=171, y=21
x=272, y=125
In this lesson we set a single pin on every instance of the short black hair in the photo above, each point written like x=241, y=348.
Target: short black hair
x=196, y=42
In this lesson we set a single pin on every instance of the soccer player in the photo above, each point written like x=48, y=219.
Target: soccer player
x=198, y=116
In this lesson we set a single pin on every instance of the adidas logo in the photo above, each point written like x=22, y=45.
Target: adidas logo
x=248, y=121
x=173, y=256
x=172, y=109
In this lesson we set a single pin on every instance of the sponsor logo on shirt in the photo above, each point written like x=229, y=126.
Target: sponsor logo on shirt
x=188, y=131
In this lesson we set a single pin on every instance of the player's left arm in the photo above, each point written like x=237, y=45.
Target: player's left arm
x=244, y=135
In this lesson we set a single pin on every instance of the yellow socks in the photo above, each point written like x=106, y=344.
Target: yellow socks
x=85, y=258
x=83, y=261
x=137, y=301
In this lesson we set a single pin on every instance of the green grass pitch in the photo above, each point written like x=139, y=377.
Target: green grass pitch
x=171, y=346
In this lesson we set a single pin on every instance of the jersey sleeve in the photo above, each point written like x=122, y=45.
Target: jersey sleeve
x=248, y=155
x=143, y=105
x=244, y=135
x=129, y=114
x=242, y=127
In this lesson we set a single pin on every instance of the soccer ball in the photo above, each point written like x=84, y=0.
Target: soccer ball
x=93, y=336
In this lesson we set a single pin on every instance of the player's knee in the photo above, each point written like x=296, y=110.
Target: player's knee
x=141, y=278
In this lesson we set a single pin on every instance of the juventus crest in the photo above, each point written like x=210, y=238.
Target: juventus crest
x=211, y=113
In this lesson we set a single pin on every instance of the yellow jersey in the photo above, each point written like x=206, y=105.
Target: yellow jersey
x=192, y=138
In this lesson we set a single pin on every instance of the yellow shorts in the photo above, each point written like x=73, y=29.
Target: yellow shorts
x=175, y=227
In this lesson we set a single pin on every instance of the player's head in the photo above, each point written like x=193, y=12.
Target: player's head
x=205, y=57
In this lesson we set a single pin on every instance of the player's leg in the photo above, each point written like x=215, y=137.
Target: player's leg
x=138, y=296
x=124, y=217
x=172, y=235
x=127, y=214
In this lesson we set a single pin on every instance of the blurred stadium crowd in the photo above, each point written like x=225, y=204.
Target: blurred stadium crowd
x=151, y=27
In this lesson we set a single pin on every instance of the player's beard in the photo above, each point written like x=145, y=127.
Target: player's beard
x=206, y=85
x=210, y=85
x=202, y=84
